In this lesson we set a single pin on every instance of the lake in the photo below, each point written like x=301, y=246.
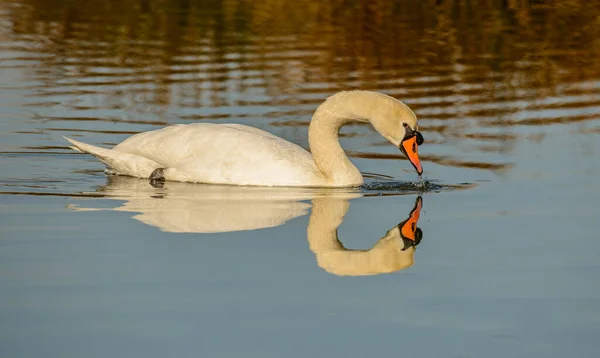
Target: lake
x=506, y=261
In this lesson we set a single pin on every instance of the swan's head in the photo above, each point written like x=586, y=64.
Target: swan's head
x=396, y=122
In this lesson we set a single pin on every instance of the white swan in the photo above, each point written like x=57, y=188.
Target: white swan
x=241, y=155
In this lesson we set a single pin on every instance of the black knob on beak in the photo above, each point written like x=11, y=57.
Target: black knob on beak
x=419, y=137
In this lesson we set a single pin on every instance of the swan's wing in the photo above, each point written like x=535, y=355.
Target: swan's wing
x=225, y=154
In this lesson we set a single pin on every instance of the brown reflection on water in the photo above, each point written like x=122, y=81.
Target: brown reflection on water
x=474, y=72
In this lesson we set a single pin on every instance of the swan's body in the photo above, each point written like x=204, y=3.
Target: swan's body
x=242, y=155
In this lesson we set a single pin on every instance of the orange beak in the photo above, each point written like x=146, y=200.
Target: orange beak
x=410, y=148
x=409, y=227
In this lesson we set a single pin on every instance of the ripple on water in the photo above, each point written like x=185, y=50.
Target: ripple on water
x=398, y=187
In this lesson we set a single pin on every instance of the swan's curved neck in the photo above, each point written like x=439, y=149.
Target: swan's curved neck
x=325, y=145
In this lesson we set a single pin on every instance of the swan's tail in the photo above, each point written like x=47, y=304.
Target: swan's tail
x=87, y=148
x=118, y=162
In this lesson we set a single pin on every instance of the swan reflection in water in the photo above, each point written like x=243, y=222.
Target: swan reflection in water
x=193, y=208
x=393, y=252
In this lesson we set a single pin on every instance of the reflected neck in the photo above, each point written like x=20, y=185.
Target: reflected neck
x=385, y=256
x=326, y=216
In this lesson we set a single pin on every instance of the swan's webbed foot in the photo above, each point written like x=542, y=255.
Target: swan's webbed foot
x=157, y=178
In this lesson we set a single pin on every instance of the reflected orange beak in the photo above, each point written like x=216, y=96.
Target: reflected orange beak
x=409, y=227
x=410, y=148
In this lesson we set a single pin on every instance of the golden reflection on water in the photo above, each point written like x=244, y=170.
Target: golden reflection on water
x=393, y=252
x=475, y=73
x=188, y=208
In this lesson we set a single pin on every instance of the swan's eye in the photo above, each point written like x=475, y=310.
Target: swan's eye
x=405, y=124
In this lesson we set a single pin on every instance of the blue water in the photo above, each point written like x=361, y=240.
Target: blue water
x=97, y=266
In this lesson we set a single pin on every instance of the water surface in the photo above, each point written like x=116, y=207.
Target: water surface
x=507, y=262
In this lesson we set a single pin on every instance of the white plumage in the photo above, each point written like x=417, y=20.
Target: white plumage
x=242, y=155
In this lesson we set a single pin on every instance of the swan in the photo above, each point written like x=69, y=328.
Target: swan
x=237, y=154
